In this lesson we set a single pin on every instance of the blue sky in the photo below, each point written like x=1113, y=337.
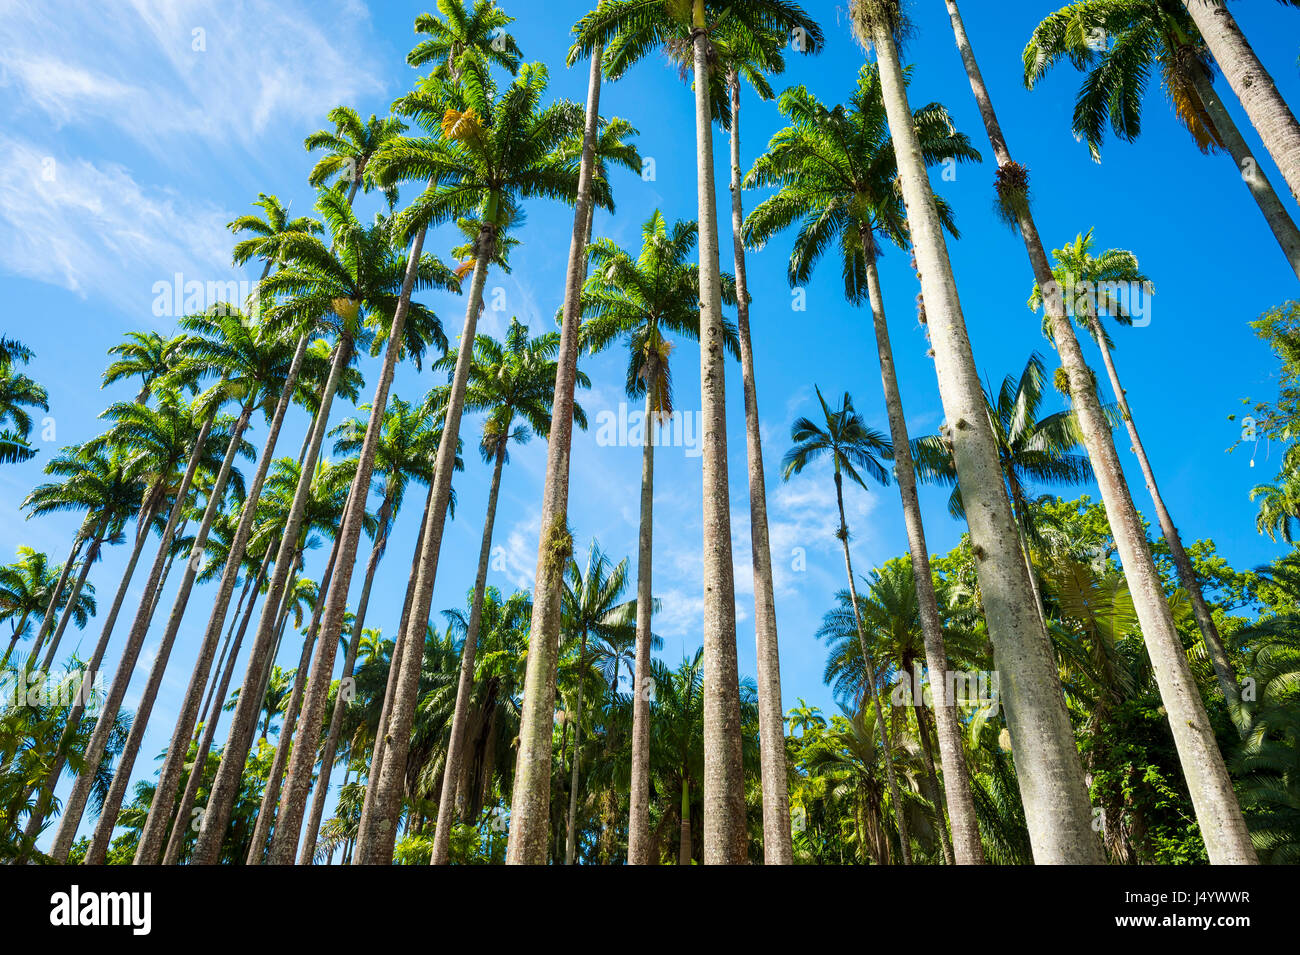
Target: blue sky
x=125, y=149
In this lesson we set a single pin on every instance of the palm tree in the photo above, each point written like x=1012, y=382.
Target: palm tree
x=1057, y=807
x=632, y=29
x=593, y=610
x=349, y=149
x=28, y=587
x=158, y=442
x=1138, y=36
x=488, y=151
x=1031, y=450
x=405, y=453
x=852, y=445
x=836, y=170
x=1106, y=274
x=271, y=233
x=17, y=394
x=408, y=328
x=1268, y=111
x=1226, y=837
x=144, y=355
x=642, y=300
x=509, y=380
x=252, y=368
x=360, y=281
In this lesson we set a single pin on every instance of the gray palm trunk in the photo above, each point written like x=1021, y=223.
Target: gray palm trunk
x=69, y=608
x=725, y=836
x=638, y=830
x=1214, y=647
x=455, y=759
x=1275, y=213
x=36, y=821
x=225, y=786
x=266, y=813
x=52, y=609
x=151, y=837
x=395, y=664
x=952, y=754
x=75, y=805
x=869, y=678
x=571, y=825
x=530, y=804
x=1051, y=778
x=183, y=819
x=1223, y=829
x=1268, y=111
x=378, y=829
x=284, y=845
x=933, y=789
x=777, y=846
x=684, y=842
x=99, y=843
x=330, y=746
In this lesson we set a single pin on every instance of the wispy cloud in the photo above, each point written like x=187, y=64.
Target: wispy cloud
x=92, y=229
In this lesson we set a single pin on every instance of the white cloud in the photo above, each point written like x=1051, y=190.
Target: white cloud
x=92, y=229
x=164, y=69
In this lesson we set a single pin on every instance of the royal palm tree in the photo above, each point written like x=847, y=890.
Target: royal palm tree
x=361, y=286
x=177, y=436
x=632, y=29
x=349, y=147
x=489, y=150
x=1268, y=111
x=252, y=366
x=511, y=381
x=1109, y=276
x=1116, y=43
x=835, y=171
x=1057, y=808
x=1226, y=837
x=405, y=454
x=269, y=233
x=853, y=447
x=144, y=355
x=27, y=588
x=17, y=394
x=594, y=611
x=642, y=301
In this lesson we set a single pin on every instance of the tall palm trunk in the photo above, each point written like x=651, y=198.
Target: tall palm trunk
x=530, y=805
x=151, y=837
x=36, y=821
x=777, y=846
x=94, y=755
x=378, y=829
x=395, y=664
x=284, y=846
x=1275, y=213
x=952, y=753
x=455, y=759
x=52, y=608
x=571, y=826
x=934, y=791
x=225, y=786
x=99, y=843
x=1222, y=826
x=330, y=746
x=1214, y=647
x=638, y=826
x=1268, y=111
x=1051, y=778
x=184, y=809
x=869, y=677
x=725, y=836
x=69, y=608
